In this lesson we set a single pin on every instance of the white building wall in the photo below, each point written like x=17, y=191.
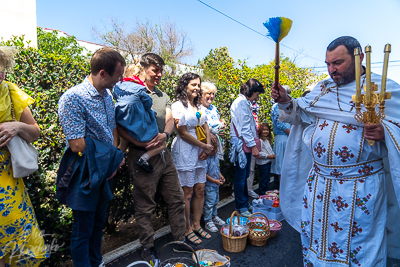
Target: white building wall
x=19, y=18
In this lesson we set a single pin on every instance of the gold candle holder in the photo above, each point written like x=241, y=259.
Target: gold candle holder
x=368, y=51
x=370, y=99
x=357, y=53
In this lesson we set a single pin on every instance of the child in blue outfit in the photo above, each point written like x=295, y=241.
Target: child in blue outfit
x=211, y=192
x=133, y=112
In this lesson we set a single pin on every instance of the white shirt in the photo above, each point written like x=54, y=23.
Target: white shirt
x=266, y=150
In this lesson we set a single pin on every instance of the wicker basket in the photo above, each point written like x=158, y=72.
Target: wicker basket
x=187, y=261
x=277, y=226
x=259, y=232
x=139, y=262
x=227, y=264
x=275, y=231
x=234, y=243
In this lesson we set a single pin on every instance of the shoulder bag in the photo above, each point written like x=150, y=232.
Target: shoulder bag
x=200, y=133
x=247, y=149
x=24, y=156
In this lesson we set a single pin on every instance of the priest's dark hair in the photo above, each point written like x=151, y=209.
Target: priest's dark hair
x=250, y=87
x=349, y=42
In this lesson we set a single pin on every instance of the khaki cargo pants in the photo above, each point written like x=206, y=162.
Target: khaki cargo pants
x=164, y=179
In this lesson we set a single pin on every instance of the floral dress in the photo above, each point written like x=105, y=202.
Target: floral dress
x=21, y=242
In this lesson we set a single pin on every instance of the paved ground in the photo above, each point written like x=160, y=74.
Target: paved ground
x=283, y=250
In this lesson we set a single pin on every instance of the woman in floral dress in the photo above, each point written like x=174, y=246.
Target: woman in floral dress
x=21, y=242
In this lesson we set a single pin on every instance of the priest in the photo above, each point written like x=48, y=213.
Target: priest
x=340, y=193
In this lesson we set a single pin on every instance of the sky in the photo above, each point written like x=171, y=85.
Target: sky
x=315, y=24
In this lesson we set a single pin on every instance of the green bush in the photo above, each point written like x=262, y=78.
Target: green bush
x=228, y=75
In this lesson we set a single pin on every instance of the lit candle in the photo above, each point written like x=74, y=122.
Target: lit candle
x=384, y=74
x=368, y=76
x=357, y=53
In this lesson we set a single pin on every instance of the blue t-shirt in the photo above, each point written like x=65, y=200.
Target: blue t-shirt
x=213, y=169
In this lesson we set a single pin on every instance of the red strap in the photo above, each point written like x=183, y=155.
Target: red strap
x=235, y=130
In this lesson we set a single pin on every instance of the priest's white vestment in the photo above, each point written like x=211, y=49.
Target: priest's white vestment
x=340, y=193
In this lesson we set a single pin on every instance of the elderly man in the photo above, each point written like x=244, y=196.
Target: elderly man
x=164, y=176
x=340, y=193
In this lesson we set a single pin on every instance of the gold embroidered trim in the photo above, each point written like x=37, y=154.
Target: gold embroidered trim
x=351, y=220
x=324, y=92
x=361, y=146
x=331, y=142
x=313, y=213
x=352, y=177
x=394, y=140
x=346, y=166
x=326, y=260
x=325, y=219
x=327, y=90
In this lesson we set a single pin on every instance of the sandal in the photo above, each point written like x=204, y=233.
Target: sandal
x=192, y=238
x=202, y=233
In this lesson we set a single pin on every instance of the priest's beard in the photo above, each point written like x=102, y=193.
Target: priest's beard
x=346, y=76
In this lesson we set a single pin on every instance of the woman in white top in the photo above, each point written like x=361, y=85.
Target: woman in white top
x=243, y=129
x=188, y=152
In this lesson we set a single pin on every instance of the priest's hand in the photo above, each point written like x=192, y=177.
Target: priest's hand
x=280, y=95
x=374, y=132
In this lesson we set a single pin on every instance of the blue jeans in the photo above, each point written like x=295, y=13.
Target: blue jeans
x=211, y=199
x=265, y=177
x=87, y=232
x=240, y=185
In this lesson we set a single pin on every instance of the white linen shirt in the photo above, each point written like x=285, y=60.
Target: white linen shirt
x=266, y=150
x=244, y=122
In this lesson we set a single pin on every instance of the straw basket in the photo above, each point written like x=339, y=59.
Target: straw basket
x=227, y=264
x=234, y=243
x=259, y=232
x=187, y=261
x=276, y=229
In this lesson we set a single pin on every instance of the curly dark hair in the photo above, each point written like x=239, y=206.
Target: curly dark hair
x=250, y=87
x=181, y=93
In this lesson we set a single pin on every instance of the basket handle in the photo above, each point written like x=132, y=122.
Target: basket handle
x=248, y=219
x=230, y=222
x=180, y=243
x=138, y=262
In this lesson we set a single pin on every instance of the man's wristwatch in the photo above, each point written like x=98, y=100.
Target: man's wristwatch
x=167, y=135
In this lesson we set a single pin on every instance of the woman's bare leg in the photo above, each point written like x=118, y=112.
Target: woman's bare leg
x=198, y=202
x=187, y=195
